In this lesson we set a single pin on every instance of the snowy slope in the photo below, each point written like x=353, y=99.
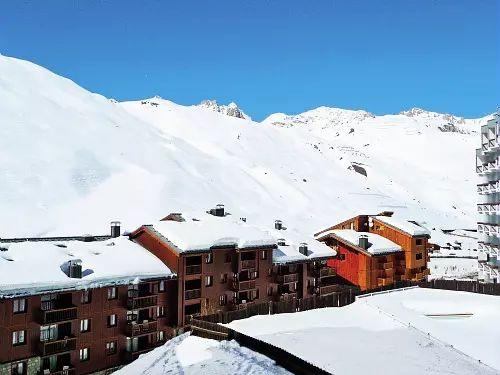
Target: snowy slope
x=70, y=161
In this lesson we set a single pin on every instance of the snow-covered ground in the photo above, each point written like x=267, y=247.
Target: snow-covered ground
x=194, y=355
x=391, y=334
x=71, y=161
x=453, y=268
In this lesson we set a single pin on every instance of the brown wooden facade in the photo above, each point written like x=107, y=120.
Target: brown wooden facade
x=80, y=332
x=369, y=271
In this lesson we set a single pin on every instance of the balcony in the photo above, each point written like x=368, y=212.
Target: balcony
x=136, y=302
x=386, y=265
x=243, y=285
x=193, y=270
x=51, y=312
x=70, y=370
x=383, y=281
x=56, y=346
x=327, y=289
x=248, y=264
x=488, y=208
x=288, y=296
x=324, y=272
x=489, y=229
x=192, y=294
x=286, y=279
x=138, y=329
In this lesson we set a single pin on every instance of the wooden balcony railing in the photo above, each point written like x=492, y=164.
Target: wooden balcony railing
x=285, y=279
x=247, y=264
x=142, y=302
x=192, y=294
x=138, y=329
x=244, y=285
x=327, y=289
x=324, y=272
x=51, y=313
x=69, y=371
x=193, y=270
x=386, y=265
x=288, y=296
x=56, y=346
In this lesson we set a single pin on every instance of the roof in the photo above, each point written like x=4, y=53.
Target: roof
x=36, y=267
x=377, y=244
x=404, y=225
x=290, y=252
x=206, y=231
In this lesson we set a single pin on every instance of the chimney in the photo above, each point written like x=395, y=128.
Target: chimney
x=75, y=269
x=115, y=229
x=303, y=248
x=219, y=210
x=281, y=242
x=278, y=224
x=363, y=241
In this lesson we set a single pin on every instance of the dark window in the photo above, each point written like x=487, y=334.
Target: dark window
x=223, y=278
x=228, y=258
x=418, y=256
x=222, y=300
x=19, y=368
x=160, y=336
x=160, y=311
x=18, y=338
x=209, y=258
x=84, y=354
x=270, y=291
x=19, y=306
x=264, y=254
x=85, y=325
x=112, y=320
x=342, y=256
x=209, y=280
x=161, y=286
x=112, y=293
x=419, y=241
x=86, y=297
x=111, y=348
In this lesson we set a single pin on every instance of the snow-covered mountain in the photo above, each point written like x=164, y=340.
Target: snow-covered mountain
x=231, y=109
x=71, y=161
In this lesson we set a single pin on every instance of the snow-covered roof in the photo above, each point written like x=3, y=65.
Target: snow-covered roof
x=406, y=226
x=376, y=244
x=205, y=231
x=35, y=267
x=290, y=252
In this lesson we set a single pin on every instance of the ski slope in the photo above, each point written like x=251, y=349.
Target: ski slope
x=71, y=161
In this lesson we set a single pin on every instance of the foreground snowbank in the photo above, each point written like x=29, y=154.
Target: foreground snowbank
x=364, y=337
x=194, y=355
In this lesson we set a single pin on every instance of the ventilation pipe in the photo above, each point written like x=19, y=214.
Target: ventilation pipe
x=303, y=248
x=278, y=224
x=115, y=229
x=363, y=241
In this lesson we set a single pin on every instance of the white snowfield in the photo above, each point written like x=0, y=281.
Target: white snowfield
x=71, y=161
x=377, y=244
x=194, y=355
x=392, y=333
x=37, y=267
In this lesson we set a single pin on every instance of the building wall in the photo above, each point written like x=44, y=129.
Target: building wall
x=97, y=311
x=350, y=265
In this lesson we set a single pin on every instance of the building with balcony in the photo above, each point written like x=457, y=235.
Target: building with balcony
x=375, y=251
x=71, y=306
x=488, y=207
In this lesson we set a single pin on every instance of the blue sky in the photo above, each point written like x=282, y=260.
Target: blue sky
x=269, y=56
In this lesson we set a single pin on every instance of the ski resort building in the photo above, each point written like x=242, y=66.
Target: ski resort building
x=488, y=169
x=78, y=305
x=376, y=251
x=225, y=265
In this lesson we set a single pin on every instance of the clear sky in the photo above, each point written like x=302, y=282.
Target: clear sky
x=269, y=56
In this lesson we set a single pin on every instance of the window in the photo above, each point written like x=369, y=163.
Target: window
x=161, y=286
x=18, y=338
x=419, y=241
x=19, y=306
x=342, y=256
x=112, y=293
x=18, y=368
x=253, y=274
x=112, y=320
x=222, y=299
x=418, y=256
x=48, y=333
x=264, y=254
x=160, y=336
x=209, y=258
x=86, y=297
x=228, y=258
x=223, y=278
x=160, y=311
x=111, y=347
x=85, y=325
x=270, y=291
x=84, y=354
x=209, y=280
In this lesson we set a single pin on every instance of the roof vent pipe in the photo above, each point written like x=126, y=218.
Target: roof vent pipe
x=75, y=269
x=363, y=241
x=278, y=224
x=303, y=248
x=115, y=229
x=281, y=242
